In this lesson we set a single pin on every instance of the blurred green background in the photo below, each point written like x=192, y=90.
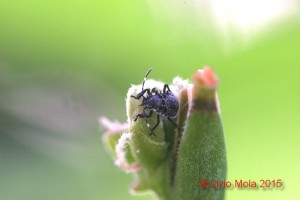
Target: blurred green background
x=65, y=63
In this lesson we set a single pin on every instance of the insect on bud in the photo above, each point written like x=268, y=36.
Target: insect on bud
x=173, y=137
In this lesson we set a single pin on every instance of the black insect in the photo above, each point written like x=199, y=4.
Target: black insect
x=162, y=102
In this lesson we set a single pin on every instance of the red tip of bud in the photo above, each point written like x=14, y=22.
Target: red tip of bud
x=205, y=77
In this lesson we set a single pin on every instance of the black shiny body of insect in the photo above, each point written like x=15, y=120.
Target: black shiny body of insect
x=164, y=103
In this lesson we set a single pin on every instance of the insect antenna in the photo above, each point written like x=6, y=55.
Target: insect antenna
x=145, y=78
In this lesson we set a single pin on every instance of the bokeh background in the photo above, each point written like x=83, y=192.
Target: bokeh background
x=65, y=63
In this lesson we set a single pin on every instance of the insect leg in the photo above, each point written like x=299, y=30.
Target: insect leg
x=139, y=95
x=147, y=123
x=144, y=115
x=166, y=86
x=174, y=124
x=157, y=123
